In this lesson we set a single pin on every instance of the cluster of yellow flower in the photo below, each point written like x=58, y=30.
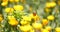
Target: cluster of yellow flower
x=25, y=22
x=16, y=7
x=50, y=4
x=28, y=22
x=5, y=2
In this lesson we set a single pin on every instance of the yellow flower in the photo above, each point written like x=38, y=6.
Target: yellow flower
x=44, y=21
x=48, y=28
x=47, y=10
x=34, y=17
x=57, y=29
x=8, y=10
x=26, y=18
x=1, y=19
x=44, y=30
x=50, y=4
x=13, y=22
x=37, y=25
x=23, y=22
x=16, y=0
x=53, y=4
x=32, y=30
x=50, y=17
x=25, y=28
x=18, y=7
x=4, y=3
x=47, y=4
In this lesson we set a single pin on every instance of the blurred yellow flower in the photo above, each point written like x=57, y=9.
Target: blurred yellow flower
x=37, y=25
x=18, y=7
x=13, y=22
x=25, y=28
x=49, y=28
x=34, y=17
x=4, y=3
x=23, y=22
x=44, y=30
x=44, y=21
x=32, y=30
x=8, y=10
x=57, y=29
x=50, y=17
x=47, y=10
x=50, y=4
x=1, y=19
x=26, y=18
